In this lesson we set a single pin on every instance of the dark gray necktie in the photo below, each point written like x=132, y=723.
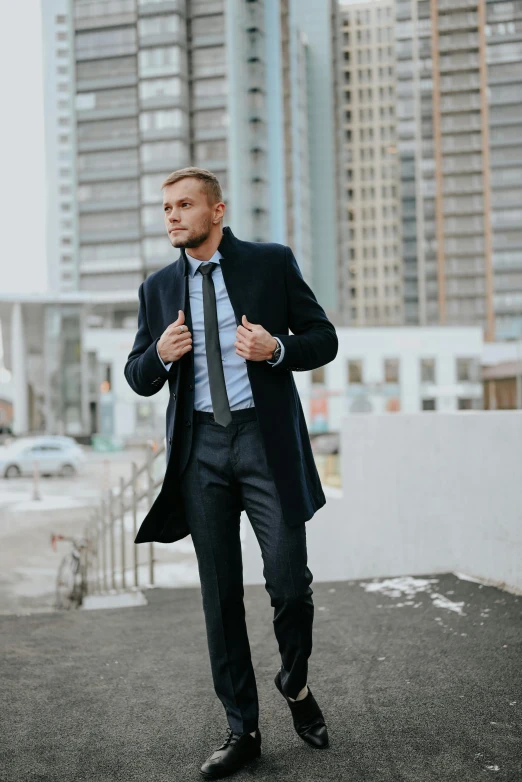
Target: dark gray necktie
x=216, y=376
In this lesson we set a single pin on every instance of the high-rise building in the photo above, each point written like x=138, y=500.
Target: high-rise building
x=372, y=192
x=503, y=44
x=245, y=88
x=459, y=67
x=319, y=24
x=58, y=69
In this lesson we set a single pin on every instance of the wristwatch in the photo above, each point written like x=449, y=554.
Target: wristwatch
x=277, y=352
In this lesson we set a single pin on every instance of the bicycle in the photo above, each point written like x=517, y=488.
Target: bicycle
x=71, y=581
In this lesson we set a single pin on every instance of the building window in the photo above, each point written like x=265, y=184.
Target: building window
x=175, y=152
x=158, y=25
x=318, y=375
x=427, y=369
x=161, y=119
x=465, y=404
x=160, y=88
x=391, y=370
x=466, y=370
x=429, y=404
x=105, y=43
x=355, y=373
x=162, y=61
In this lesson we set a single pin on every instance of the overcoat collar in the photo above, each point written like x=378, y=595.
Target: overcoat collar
x=234, y=273
x=227, y=247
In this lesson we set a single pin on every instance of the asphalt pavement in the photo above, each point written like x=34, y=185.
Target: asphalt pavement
x=416, y=685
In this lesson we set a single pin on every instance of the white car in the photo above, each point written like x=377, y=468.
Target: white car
x=54, y=455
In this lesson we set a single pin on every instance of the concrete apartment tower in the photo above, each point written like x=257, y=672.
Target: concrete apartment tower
x=459, y=67
x=58, y=72
x=372, y=181
x=245, y=88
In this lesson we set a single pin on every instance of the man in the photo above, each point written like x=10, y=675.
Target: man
x=214, y=324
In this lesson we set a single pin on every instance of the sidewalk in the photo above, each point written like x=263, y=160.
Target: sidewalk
x=419, y=681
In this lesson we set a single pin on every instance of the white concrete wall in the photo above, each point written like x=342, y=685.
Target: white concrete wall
x=420, y=494
x=112, y=346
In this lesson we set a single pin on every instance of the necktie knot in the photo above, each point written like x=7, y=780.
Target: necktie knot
x=206, y=268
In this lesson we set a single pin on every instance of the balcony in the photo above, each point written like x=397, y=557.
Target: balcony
x=151, y=7
x=101, y=14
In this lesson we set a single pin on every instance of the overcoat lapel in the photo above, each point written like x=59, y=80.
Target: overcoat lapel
x=175, y=292
x=237, y=274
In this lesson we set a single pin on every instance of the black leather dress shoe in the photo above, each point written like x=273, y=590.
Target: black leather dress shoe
x=236, y=750
x=307, y=717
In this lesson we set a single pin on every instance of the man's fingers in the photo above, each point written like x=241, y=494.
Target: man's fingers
x=173, y=330
x=181, y=319
x=183, y=340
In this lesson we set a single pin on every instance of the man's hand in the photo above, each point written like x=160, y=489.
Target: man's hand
x=254, y=342
x=175, y=341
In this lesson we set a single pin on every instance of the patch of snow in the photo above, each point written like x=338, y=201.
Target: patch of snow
x=443, y=602
x=49, y=503
x=402, y=585
x=36, y=581
x=9, y=497
x=121, y=600
x=410, y=587
x=465, y=577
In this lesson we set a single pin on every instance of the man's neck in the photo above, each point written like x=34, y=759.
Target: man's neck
x=206, y=250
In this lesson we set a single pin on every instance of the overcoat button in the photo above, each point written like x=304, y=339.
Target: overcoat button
x=188, y=423
x=191, y=388
x=173, y=394
x=170, y=440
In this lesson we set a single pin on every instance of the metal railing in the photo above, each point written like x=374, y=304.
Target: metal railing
x=112, y=556
x=113, y=562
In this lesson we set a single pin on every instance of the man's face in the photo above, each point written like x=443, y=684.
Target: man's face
x=188, y=215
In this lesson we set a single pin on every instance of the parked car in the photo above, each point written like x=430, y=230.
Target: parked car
x=55, y=456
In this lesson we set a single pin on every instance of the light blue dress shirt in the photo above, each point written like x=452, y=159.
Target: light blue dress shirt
x=237, y=381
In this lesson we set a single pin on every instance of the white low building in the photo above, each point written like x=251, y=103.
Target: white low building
x=406, y=369
x=67, y=352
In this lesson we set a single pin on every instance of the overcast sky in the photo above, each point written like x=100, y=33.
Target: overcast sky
x=22, y=178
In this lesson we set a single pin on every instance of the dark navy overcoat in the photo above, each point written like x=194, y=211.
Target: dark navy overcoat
x=264, y=283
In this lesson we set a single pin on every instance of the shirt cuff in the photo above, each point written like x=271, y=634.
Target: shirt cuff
x=281, y=355
x=168, y=366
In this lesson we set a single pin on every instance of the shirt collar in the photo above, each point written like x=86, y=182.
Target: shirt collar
x=195, y=263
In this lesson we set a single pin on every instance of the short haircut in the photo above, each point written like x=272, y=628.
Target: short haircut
x=209, y=182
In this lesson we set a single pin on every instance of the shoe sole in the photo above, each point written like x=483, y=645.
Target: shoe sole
x=277, y=682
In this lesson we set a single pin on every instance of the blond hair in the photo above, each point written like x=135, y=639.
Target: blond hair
x=209, y=182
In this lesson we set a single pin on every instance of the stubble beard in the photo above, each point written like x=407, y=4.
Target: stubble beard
x=195, y=236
